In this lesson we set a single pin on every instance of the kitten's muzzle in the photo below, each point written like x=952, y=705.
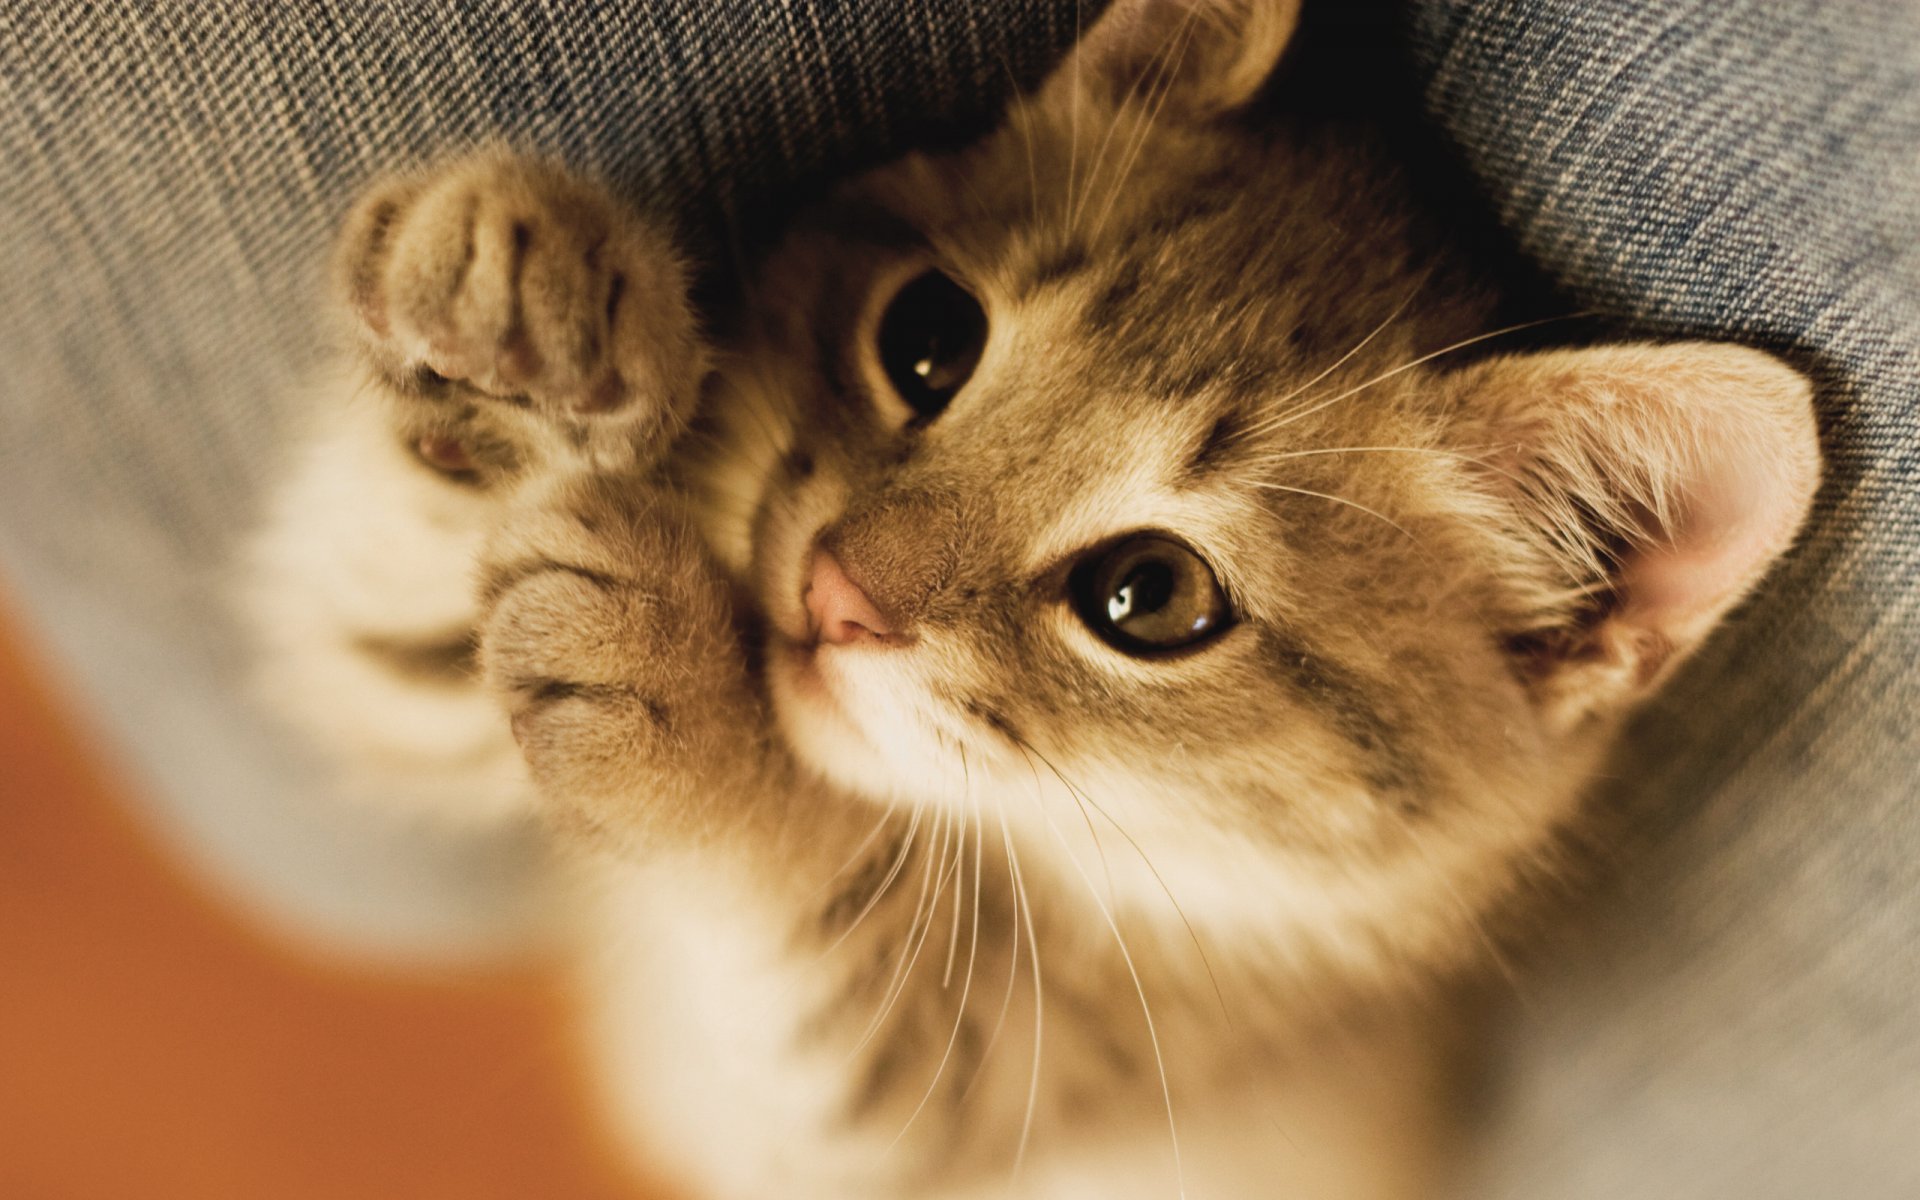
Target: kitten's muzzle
x=875, y=571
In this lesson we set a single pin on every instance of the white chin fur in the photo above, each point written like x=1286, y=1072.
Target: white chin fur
x=858, y=718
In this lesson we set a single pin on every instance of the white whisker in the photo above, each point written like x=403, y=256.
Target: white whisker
x=1478, y=460
x=959, y=893
x=1178, y=43
x=1316, y=406
x=1013, y=968
x=1024, y=910
x=899, y=861
x=1152, y=70
x=1357, y=347
x=1282, y=457
x=1027, y=748
x=1085, y=799
x=917, y=930
x=1146, y=1009
x=966, y=987
x=1300, y=491
x=885, y=819
x=1021, y=115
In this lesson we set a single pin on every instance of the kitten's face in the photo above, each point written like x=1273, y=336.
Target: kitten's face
x=1057, y=449
x=1116, y=425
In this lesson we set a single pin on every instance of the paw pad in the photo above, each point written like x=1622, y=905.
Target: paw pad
x=446, y=454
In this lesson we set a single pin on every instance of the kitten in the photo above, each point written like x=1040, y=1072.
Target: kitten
x=1043, y=699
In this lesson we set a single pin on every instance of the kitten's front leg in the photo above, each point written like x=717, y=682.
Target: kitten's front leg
x=509, y=323
x=565, y=323
x=515, y=312
x=610, y=634
x=534, y=338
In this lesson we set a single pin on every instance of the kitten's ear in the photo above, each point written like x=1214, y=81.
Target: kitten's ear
x=1200, y=58
x=1654, y=485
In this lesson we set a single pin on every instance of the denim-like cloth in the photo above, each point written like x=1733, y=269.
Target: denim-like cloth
x=1740, y=1014
x=1735, y=1016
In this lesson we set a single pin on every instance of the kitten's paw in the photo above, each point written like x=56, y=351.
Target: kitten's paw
x=608, y=633
x=513, y=280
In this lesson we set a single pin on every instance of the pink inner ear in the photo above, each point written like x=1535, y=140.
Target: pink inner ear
x=1729, y=523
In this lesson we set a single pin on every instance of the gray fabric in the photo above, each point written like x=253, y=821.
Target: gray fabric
x=1736, y=1016
x=170, y=173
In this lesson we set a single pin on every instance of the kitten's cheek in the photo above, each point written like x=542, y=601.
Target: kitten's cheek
x=808, y=691
x=810, y=703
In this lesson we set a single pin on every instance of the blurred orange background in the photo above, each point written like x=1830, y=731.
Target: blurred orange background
x=154, y=1044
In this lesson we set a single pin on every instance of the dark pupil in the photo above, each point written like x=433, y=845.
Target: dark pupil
x=1144, y=592
x=930, y=341
x=1147, y=593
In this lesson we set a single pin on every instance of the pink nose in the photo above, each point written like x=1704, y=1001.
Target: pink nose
x=839, y=610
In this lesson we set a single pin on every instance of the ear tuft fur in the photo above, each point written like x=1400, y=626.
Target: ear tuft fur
x=1655, y=486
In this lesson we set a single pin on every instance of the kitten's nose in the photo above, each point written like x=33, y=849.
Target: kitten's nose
x=839, y=610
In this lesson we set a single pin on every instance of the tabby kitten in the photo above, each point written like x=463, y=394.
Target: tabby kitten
x=1041, y=702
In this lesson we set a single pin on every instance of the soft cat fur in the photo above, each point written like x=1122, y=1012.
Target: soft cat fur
x=912, y=885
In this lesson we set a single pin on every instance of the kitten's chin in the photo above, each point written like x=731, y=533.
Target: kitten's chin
x=838, y=716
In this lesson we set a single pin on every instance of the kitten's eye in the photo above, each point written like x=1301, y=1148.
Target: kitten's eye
x=1147, y=593
x=930, y=340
